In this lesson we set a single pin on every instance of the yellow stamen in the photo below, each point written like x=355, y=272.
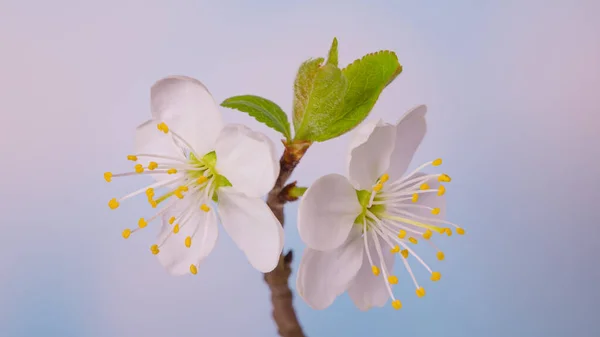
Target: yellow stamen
x=163, y=127
x=402, y=234
x=393, y=279
x=427, y=234
x=395, y=250
x=193, y=269
x=201, y=180
x=132, y=157
x=420, y=292
x=171, y=171
x=435, y=211
x=424, y=186
x=436, y=276
x=150, y=193
x=404, y=253
x=437, y=162
x=126, y=233
x=108, y=176
x=153, y=203
x=139, y=168
x=440, y=256
x=142, y=223
x=171, y=220
x=448, y=231
x=415, y=197
x=113, y=203
x=396, y=304
x=460, y=231
x=152, y=166
x=378, y=187
x=205, y=207
x=176, y=229
x=188, y=241
x=385, y=177
x=183, y=188
x=413, y=240
x=441, y=190
x=178, y=194
x=375, y=270
x=444, y=178
x=154, y=249
x=414, y=223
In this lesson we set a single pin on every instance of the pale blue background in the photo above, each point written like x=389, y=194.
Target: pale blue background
x=512, y=88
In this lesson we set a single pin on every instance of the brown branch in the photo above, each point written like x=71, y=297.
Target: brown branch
x=277, y=280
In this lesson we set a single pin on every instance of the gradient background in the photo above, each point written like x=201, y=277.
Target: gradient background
x=512, y=89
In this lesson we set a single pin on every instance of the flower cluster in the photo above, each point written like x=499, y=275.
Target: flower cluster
x=354, y=226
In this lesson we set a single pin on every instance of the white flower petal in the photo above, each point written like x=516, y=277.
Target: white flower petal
x=252, y=226
x=368, y=290
x=410, y=131
x=189, y=109
x=322, y=276
x=369, y=155
x=202, y=226
x=247, y=159
x=327, y=211
x=149, y=140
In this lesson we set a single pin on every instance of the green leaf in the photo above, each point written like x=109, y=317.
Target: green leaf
x=333, y=53
x=302, y=88
x=367, y=77
x=324, y=104
x=263, y=110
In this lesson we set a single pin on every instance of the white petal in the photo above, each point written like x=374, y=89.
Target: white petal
x=369, y=155
x=189, y=109
x=149, y=140
x=247, y=159
x=327, y=211
x=322, y=276
x=252, y=226
x=174, y=255
x=410, y=131
x=368, y=290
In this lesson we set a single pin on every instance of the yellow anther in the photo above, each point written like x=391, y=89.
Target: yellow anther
x=448, y=231
x=113, y=203
x=435, y=211
x=440, y=256
x=126, y=233
x=402, y=234
x=188, y=241
x=132, y=157
x=427, y=234
x=378, y=187
x=176, y=229
x=152, y=202
x=385, y=177
x=395, y=250
x=375, y=270
x=139, y=168
x=415, y=197
x=171, y=220
x=152, y=166
x=437, y=162
x=436, y=276
x=444, y=178
x=150, y=193
x=154, y=249
x=193, y=269
x=171, y=171
x=183, y=188
x=163, y=127
x=393, y=279
x=424, y=186
x=201, y=180
x=205, y=207
x=396, y=304
x=441, y=190
x=404, y=253
x=420, y=292
x=108, y=176
x=460, y=231
x=142, y=223
x=178, y=194
x=413, y=240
